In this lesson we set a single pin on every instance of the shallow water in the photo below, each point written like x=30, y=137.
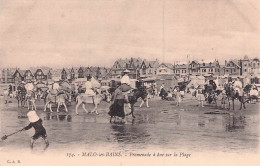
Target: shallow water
x=173, y=129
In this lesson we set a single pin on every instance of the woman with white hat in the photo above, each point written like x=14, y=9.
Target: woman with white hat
x=125, y=84
x=36, y=123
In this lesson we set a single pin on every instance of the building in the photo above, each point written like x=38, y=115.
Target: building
x=28, y=76
x=7, y=75
x=40, y=76
x=90, y=72
x=210, y=68
x=105, y=73
x=194, y=68
x=65, y=74
x=165, y=68
x=132, y=64
x=255, y=66
x=149, y=68
x=181, y=70
x=232, y=67
x=245, y=66
x=81, y=72
x=18, y=76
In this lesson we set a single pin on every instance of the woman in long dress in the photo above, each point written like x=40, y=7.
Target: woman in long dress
x=117, y=106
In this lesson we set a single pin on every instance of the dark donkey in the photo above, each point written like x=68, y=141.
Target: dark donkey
x=232, y=94
x=134, y=96
x=21, y=95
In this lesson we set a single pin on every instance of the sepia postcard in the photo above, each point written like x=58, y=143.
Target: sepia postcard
x=129, y=82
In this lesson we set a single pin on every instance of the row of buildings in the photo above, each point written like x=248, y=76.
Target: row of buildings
x=139, y=68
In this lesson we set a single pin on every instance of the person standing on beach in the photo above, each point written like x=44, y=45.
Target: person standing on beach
x=40, y=131
x=6, y=95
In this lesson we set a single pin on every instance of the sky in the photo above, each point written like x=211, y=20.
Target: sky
x=66, y=33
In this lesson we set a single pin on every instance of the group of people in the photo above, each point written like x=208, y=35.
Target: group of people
x=231, y=89
x=173, y=94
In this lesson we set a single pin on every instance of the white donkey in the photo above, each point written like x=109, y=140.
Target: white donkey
x=89, y=99
x=60, y=99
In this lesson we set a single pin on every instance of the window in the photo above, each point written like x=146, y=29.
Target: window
x=203, y=64
x=226, y=70
x=245, y=65
x=245, y=70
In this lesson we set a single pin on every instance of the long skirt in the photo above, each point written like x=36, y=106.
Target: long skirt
x=117, y=108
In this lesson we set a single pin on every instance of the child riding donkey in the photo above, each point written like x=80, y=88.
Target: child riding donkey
x=30, y=95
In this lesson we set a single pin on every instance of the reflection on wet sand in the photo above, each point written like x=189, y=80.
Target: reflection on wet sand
x=57, y=117
x=235, y=122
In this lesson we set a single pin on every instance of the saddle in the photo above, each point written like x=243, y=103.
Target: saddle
x=54, y=92
x=131, y=94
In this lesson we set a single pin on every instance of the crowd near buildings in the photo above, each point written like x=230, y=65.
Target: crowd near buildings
x=150, y=71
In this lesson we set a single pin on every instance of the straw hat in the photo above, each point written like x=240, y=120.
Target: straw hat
x=32, y=116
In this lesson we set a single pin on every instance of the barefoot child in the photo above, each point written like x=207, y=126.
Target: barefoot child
x=36, y=123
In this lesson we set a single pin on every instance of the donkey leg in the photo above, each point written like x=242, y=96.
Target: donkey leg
x=34, y=105
x=45, y=106
x=65, y=107
x=28, y=104
x=83, y=106
x=132, y=110
x=141, y=104
x=77, y=107
x=58, y=107
x=95, y=109
x=50, y=107
x=147, y=103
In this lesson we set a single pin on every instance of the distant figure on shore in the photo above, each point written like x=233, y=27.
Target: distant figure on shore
x=6, y=95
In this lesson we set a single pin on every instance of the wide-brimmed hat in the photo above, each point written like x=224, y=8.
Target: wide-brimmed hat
x=22, y=82
x=126, y=71
x=32, y=116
